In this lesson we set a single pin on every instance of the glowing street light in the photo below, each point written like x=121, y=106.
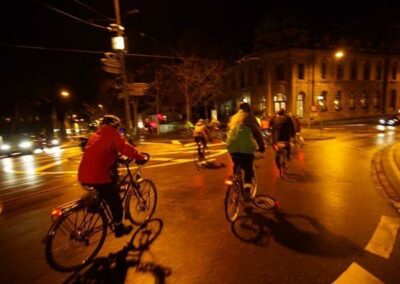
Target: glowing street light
x=339, y=54
x=64, y=94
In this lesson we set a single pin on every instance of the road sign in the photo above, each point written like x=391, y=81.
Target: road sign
x=111, y=63
x=138, y=89
x=112, y=70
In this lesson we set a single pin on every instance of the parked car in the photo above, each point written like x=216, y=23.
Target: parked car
x=390, y=120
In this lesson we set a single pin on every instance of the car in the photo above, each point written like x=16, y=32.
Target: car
x=20, y=144
x=390, y=120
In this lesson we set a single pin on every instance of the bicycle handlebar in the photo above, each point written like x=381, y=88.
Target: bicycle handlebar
x=126, y=160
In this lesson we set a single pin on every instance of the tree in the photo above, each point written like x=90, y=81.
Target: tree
x=197, y=80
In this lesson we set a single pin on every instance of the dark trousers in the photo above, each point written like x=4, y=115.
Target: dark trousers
x=109, y=193
x=245, y=161
x=201, y=140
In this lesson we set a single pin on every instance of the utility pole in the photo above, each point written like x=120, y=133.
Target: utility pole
x=121, y=53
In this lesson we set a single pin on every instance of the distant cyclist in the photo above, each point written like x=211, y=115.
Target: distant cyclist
x=243, y=130
x=282, y=129
x=97, y=164
x=201, y=135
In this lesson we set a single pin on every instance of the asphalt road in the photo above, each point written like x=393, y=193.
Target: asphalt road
x=335, y=223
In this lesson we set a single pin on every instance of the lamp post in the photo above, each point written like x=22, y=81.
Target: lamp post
x=118, y=43
x=57, y=122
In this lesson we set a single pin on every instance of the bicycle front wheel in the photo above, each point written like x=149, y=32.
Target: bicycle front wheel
x=232, y=203
x=142, y=202
x=75, y=239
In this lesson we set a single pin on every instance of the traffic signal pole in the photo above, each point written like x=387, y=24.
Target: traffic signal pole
x=121, y=53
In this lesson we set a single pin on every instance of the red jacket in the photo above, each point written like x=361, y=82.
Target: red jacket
x=101, y=153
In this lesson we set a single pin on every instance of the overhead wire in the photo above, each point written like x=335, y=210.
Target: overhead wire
x=71, y=16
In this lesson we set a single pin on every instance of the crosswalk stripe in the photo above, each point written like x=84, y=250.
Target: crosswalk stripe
x=384, y=237
x=355, y=274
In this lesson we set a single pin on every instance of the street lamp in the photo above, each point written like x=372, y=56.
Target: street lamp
x=64, y=94
x=339, y=54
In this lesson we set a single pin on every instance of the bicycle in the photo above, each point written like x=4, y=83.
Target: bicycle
x=80, y=227
x=235, y=196
x=281, y=157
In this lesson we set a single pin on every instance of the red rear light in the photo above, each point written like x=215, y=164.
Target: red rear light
x=56, y=212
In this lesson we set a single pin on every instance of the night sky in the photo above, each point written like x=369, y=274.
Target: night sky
x=211, y=29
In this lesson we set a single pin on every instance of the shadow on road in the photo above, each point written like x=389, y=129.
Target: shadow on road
x=257, y=228
x=114, y=267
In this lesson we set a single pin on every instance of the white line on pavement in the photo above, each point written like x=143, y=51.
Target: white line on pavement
x=384, y=237
x=392, y=162
x=355, y=274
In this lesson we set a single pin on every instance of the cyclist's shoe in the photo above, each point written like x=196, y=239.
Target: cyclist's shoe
x=121, y=230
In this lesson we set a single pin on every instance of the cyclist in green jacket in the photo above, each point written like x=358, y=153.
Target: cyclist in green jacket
x=243, y=130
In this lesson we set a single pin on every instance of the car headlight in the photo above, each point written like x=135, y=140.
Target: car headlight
x=55, y=142
x=5, y=147
x=382, y=121
x=25, y=144
x=391, y=122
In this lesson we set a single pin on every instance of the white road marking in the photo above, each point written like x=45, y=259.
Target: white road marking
x=384, y=237
x=56, y=163
x=161, y=159
x=176, y=142
x=355, y=274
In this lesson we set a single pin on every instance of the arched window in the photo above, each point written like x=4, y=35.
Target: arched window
x=375, y=100
x=279, y=101
x=378, y=71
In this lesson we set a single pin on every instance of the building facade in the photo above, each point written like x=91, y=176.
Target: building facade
x=314, y=84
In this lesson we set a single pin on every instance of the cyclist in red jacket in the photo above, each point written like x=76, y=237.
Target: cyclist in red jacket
x=99, y=157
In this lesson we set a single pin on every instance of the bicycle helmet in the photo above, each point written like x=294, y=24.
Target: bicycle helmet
x=111, y=120
x=245, y=107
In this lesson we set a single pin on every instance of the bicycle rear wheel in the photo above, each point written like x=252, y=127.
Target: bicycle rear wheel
x=142, y=202
x=232, y=202
x=75, y=238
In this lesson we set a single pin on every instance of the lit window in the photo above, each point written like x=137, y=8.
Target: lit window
x=338, y=101
x=322, y=99
x=364, y=101
x=352, y=101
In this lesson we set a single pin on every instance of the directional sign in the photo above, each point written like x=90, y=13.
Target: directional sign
x=135, y=89
x=138, y=89
x=111, y=63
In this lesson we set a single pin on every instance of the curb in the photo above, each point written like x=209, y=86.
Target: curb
x=380, y=170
